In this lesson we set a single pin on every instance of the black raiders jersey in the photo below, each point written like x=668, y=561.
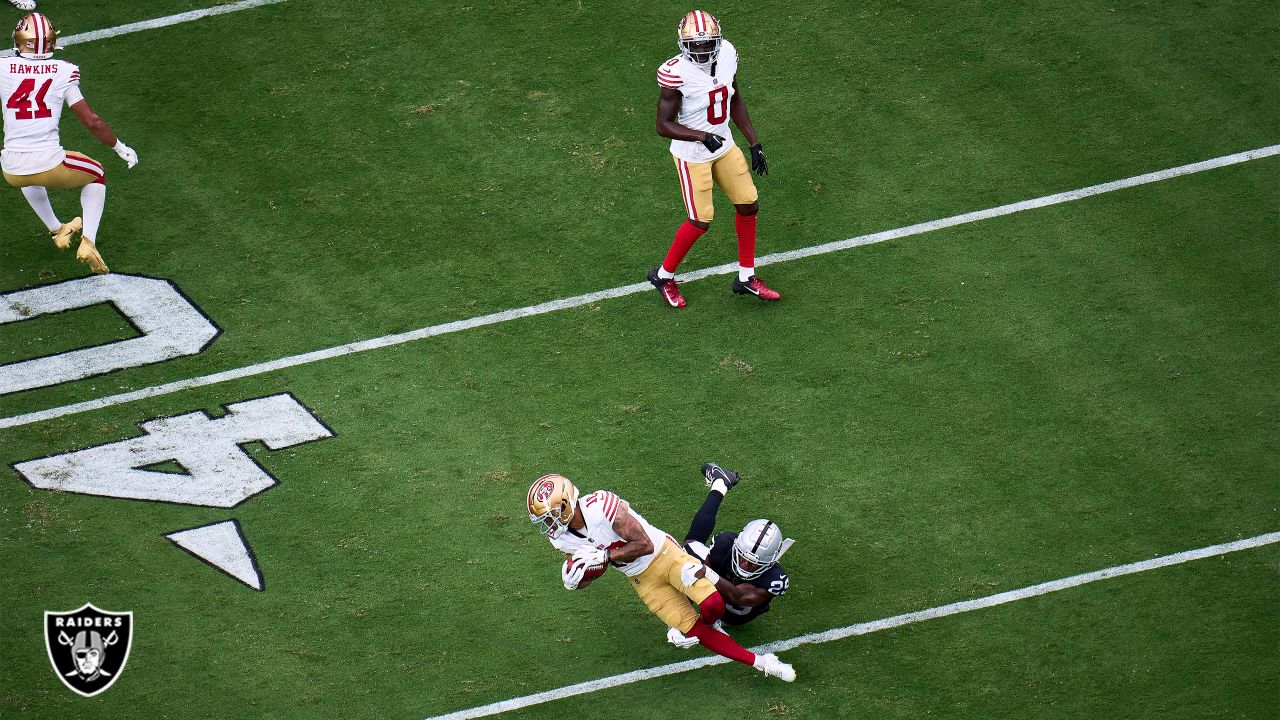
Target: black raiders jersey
x=774, y=580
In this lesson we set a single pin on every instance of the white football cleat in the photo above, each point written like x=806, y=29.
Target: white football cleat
x=770, y=665
x=24, y=4
x=680, y=640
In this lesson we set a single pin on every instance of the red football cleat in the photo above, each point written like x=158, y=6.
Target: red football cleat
x=755, y=286
x=667, y=289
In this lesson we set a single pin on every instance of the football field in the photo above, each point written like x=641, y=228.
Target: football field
x=381, y=265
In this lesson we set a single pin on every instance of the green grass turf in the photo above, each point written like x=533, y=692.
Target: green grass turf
x=934, y=419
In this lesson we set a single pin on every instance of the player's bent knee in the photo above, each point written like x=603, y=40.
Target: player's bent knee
x=749, y=209
x=700, y=224
x=712, y=609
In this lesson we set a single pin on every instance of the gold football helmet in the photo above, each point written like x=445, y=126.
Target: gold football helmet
x=698, y=36
x=552, y=499
x=34, y=37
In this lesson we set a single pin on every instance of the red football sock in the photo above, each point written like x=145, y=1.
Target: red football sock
x=686, y=236
x=746, y=227
x=721, y=644
x=712, y=608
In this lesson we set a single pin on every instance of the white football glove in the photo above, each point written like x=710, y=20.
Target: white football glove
x=680, y=640
x=126, y=153
x=592, y=557
x=689, y=573
x=572, y=572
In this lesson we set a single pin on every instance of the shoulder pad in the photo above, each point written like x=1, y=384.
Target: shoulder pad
x=669, y=75
x=603, y=501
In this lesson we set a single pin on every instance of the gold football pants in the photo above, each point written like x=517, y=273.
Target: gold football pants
x=660, y=588
x=76, y=171
x=729, y=171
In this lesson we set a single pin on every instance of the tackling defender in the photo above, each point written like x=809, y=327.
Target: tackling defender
x=601, y=529
x=748, y=560
x=34, y=87
x=699, y=97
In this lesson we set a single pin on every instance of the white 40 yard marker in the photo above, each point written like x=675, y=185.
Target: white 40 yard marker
x=212, y=467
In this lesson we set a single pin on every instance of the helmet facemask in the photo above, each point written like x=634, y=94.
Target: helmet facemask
x=701, y=52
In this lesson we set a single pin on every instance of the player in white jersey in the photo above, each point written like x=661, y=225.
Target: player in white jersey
x=699, y=97
x=602, y=529
x=34, y=87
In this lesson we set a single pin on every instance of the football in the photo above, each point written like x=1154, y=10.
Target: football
x=591, y=574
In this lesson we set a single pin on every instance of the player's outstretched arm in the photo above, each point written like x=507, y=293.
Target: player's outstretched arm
x=103, y=132
x=637, y=540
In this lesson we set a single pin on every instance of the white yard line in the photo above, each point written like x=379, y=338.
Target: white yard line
x=153, y=24
x=862, y=628
x=579, y=300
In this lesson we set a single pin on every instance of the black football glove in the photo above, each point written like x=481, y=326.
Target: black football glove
x=757, y=160
x=713, y=142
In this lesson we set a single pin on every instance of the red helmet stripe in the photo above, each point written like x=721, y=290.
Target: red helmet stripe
x=700, y=22
x=38, y=26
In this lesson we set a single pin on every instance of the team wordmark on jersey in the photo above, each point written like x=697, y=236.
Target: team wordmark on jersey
x=88, y=647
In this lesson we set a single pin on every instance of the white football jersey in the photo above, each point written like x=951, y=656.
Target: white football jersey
x=598, y=511
x=705, y=105
x=33, y=93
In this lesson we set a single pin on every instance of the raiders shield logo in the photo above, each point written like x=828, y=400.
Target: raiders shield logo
x=88, y=647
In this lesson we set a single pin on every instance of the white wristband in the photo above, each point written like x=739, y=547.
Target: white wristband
x=710, y=574
x=119, y=146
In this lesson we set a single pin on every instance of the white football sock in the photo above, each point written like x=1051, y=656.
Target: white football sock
x=746, y=273
x=718, y=485
x=38, y=198
x=93, y=198
x=662, y=273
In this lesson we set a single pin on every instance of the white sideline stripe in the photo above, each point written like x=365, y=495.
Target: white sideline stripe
x=864, y=628
x=155, y=23
x=617, y=292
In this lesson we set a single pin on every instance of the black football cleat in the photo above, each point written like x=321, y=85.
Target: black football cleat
x=713, y=472
x=667, y=289
x=755, y=286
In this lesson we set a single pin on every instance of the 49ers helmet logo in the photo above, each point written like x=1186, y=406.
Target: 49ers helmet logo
x=88, y=647
x=543, y=492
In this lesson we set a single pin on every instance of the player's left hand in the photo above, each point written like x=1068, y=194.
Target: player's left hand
x=126, y=153
x=689, y=573
x=571, y=573
x=757, y=160
x=591, y=558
